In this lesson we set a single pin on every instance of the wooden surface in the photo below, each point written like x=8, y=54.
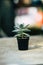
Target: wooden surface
x=10, y=55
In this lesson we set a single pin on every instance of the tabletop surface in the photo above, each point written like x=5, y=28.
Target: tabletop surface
x=10, y=55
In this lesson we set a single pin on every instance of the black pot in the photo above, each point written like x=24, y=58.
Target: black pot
x=23, y=43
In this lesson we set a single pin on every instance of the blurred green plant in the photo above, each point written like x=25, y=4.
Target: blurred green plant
x=21, y=31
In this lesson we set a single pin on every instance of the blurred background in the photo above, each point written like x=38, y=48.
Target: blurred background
x=14, y=12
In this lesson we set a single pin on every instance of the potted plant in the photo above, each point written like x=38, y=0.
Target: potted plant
x=22, y=36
